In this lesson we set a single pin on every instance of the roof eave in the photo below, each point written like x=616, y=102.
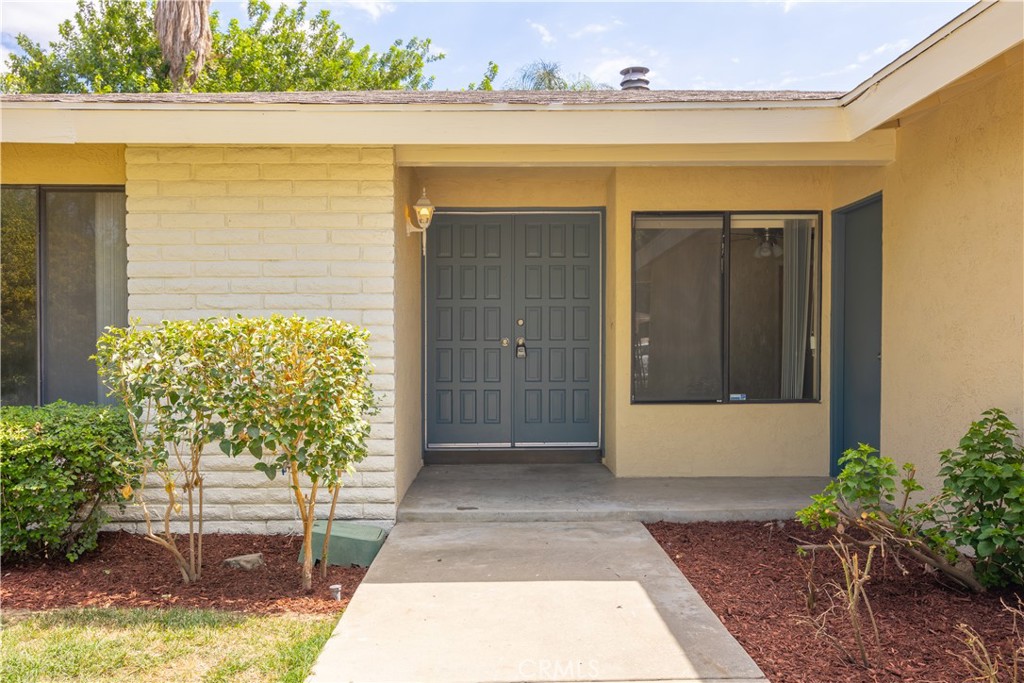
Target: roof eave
x=457, y=125
x=978, y=35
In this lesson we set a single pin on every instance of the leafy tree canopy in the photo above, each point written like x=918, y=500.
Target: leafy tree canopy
x=111, y=46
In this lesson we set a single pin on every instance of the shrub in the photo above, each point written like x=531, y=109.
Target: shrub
x=299, y=402
x=295, y=393
x=60, y=464
x=863, y=498
x=170, y=378
x=982, y=504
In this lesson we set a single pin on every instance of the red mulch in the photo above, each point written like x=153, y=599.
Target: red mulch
x=127, y=571
x=750, y=575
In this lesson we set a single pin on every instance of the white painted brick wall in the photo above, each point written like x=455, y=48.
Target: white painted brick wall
x=261, y=230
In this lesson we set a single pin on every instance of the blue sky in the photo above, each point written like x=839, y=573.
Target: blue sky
x=787, y=44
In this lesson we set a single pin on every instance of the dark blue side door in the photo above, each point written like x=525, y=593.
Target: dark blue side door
x=513, y=308
x=857, y=327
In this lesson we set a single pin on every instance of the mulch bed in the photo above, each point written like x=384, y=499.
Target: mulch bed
x=127, y=571
x=751, y=576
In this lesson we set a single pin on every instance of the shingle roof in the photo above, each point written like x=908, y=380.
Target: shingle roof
x=440, y=97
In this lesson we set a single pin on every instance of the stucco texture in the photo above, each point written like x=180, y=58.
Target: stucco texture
x=408, y=341
x=953, y=271
x=783, y=439
x=24, y=164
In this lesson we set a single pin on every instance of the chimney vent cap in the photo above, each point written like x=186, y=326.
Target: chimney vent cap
x=635, y=78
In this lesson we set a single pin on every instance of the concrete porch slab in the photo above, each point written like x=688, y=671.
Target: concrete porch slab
x=589, y=492
x=570, y=601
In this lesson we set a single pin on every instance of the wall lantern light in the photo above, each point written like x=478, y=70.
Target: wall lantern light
x=424, y=213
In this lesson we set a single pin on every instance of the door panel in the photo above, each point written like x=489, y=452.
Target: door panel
x=858, y=292
x=469, y=297
x=484, y=274
x=558, y=299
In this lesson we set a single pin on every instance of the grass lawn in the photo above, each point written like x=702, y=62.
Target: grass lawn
x=139, y=645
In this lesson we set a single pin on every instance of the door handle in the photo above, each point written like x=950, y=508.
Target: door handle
x=504, y=341
x=520, y=347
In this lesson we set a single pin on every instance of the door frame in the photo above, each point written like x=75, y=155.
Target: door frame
x=838, y=326
x=598, y=211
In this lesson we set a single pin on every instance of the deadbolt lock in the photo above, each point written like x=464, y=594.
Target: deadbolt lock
x=519, y=322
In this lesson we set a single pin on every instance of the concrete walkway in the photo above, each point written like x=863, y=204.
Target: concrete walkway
x=504, y=602
x=552, y=493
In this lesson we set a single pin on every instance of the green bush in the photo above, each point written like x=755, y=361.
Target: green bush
x=292, y=392
x=981, y=506
x=982, y=502
x=59, y=464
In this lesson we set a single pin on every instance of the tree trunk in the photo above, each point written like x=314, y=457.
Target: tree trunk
x=327, y=531
x=183, y=29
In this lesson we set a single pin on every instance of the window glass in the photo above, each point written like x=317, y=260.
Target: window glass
x=78, y=246
x=770, y=307
x=677, y=318
x=19, y=222
x=733, y=324
x=86, y=288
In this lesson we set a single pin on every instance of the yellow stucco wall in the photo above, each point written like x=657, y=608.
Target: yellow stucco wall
x=61, y=164
x=709, y=439
x=408, y=342
x=953, y=270
x=514, y=187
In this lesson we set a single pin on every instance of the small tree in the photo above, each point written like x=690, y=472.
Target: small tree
x=169, y=379
x=298, y=400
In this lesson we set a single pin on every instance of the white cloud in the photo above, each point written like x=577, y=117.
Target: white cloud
x=375, y=8
x=787, y=5
x=787, y=82
x=898, y=47
x=37, y=20
x=607, y=70
x=542, y=31
x=594, y=29
x=789, y=79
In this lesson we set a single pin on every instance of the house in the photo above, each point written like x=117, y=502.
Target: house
x=678, y=283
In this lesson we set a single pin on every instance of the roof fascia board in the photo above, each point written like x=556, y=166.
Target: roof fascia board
x=975, y=37
x=876, y=148
x=72, y=105
x=399, y=126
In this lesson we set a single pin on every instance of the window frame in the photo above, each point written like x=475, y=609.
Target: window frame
x=724, y=284
x=41, y=190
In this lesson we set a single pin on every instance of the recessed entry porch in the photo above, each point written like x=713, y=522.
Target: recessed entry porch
x=589, y=492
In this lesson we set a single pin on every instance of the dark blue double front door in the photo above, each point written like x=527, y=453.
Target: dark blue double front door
x=513, y=346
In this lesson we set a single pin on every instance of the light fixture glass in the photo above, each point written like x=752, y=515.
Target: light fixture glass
x=764, y=250
x=424, y=211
